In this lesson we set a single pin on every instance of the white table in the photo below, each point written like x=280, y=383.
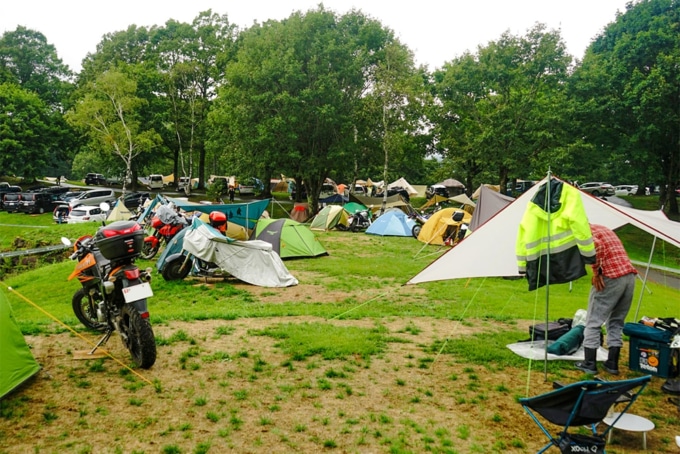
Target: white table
x=630, y=423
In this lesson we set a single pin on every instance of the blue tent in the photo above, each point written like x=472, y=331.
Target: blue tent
x=393, y=222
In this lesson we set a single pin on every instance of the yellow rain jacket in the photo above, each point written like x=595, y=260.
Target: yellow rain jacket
x=561, y=247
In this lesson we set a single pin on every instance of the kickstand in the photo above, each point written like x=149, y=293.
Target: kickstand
x=102, y=341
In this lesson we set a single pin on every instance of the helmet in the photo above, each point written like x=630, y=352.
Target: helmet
x=218, y=220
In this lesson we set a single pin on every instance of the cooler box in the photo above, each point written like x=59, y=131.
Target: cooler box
x=650, y=351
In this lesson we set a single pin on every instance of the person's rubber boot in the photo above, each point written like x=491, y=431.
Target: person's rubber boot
x=589, y=365
x=612, y=363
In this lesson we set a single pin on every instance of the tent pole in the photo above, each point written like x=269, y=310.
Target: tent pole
x=547, y=282
x=644, y=281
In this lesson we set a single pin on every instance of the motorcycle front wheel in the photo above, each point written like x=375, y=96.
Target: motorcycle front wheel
x=415, y=231
x=85, y=308
x=148, y=250
x=173, y=270
x=138, y=337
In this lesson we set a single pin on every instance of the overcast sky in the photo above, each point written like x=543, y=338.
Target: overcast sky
x=435, y=30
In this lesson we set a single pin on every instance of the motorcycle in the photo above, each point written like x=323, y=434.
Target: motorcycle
x=361, y=220
x=114, y=291
x=202, y=250
x=166, y=223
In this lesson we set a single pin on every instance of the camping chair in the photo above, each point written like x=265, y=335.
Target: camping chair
x=582, y=403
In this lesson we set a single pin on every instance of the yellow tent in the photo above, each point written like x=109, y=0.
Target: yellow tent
x=442, y=226
x=234, y=231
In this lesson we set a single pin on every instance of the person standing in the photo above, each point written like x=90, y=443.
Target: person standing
x=611, y=296
x=231, y=194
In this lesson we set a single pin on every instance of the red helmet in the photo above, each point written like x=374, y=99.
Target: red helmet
x=218, y=220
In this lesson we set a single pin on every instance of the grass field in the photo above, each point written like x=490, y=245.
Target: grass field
x=349, y=360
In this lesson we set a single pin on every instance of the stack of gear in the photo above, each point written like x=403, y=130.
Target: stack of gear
x=654, y=346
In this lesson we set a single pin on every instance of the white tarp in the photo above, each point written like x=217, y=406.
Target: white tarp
x=536, y=350
x=490, y=249
x=254, y=262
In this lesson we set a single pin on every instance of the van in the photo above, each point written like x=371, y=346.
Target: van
x=36, y=202
x=93, y=197
x=156, y=182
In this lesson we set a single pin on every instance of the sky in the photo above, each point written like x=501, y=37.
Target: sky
x=437, y=31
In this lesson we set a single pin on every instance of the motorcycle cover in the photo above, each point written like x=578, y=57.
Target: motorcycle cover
x=254, y=262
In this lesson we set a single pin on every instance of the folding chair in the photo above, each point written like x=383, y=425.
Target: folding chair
x=582, y=403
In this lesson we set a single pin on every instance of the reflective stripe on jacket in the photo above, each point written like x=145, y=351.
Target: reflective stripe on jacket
x=566, y=238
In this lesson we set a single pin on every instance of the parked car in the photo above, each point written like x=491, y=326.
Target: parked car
x=95, y=178
x=135, y=199
x=436, y=189
x=60, y=213
x=11, y=202
x=68, y=196
x=250, y=186
x=86, y=213
x=93, y=197
x=183, y=183
x=118, y=180
x=156, y=181
x=6, y=188
x=598, y=188
x=625, y=189
x=36, y=202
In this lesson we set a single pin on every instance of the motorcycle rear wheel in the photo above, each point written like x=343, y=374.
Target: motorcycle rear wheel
x=415, y=231
x=148, y=250
x=173, y=271
x=85, y=308
x=138, y=337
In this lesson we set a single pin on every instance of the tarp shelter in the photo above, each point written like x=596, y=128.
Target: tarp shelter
x=434, y=201
x=392, y=222
x=375, y=203
x=489, y=202
x=289, y=238
x=441, y=226
x=17, y=363
x=493, y=243
x=493, y=187
x=300, y=212
x=354, y=207
x=243, y=214
x=254, y=262
x=329, y=217
x=119, y=212
x=334, y=199
x=452, y=183
x=234, y=231
x=463, y=199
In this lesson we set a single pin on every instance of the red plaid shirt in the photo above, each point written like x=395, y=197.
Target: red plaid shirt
x=611, y=257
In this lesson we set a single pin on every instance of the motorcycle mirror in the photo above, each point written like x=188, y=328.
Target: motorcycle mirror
x=104, y=206
x=65, y=241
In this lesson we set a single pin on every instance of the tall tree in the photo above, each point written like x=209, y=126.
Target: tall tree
x=629, y=83
x=500, y=108
x=109, y=114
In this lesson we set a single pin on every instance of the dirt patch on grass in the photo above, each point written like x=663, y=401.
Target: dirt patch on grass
x=220, y=386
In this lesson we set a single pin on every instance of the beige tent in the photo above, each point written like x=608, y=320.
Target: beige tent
x=494, y=187
x=462, y=199
x=119, y=212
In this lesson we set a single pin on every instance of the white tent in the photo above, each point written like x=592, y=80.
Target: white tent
x=402, y=183
x=490, y=249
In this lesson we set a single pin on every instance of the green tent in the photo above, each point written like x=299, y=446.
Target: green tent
x=289, y=238
x=17, y=363
x=353, y=207
x=330, y=217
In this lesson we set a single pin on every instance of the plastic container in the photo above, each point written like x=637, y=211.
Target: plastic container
x=654, y=358
x=120, y=240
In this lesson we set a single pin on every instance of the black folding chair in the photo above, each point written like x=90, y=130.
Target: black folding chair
x=585, y=403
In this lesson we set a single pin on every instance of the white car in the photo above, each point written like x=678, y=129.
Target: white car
x=625, y=189
x=86, y=213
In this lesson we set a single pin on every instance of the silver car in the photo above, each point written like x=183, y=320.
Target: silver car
x=598, y=188
x=93, y=197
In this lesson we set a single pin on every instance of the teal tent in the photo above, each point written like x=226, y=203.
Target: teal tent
x=17, y=363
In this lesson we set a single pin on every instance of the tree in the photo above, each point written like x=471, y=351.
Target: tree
x=109, y=114
x=27, y=128
x=501, y=108
x=628, y=83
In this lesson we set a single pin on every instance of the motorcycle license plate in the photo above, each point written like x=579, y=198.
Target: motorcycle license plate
x=137, y=292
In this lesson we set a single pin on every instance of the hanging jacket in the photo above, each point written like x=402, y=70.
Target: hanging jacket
x=554, y=237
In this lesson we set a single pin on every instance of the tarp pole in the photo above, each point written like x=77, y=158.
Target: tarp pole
x=644, y=281
x=547, y=283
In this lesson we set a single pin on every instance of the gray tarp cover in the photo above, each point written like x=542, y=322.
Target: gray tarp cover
x=254, y=262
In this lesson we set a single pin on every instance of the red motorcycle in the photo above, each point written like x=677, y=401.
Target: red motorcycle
x=166, y=223
x=114, y=291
